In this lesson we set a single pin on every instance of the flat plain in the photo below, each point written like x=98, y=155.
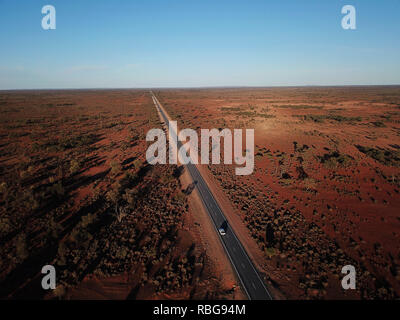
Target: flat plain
x=325, y=190
x=77, y=192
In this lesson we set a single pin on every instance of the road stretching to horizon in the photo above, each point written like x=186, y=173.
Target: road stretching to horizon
x=245, y=270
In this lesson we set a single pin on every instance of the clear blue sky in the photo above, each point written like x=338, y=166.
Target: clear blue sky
x=183, y=43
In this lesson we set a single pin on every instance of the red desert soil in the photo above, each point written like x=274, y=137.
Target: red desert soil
x=77, y=193
x=325, y=190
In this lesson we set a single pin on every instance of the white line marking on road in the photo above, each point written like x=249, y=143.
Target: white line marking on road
x=158, y=105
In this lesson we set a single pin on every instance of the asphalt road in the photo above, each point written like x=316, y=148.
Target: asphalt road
x=246, y=272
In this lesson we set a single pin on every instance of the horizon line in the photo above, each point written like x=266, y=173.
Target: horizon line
x=204, y=87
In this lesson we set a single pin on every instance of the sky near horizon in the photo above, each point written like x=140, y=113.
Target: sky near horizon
x=185, y=43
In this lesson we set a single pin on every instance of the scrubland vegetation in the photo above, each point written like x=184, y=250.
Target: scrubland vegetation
x=325, y=191
x=77, y=193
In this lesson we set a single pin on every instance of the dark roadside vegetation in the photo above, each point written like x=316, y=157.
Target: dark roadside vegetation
x=76, y=193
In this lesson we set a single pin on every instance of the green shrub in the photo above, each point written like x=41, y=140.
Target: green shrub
x=384, y=156
x=378, y=124
x=334, y=160
x=74, y=167
x=3, y=187
x=115, y=167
